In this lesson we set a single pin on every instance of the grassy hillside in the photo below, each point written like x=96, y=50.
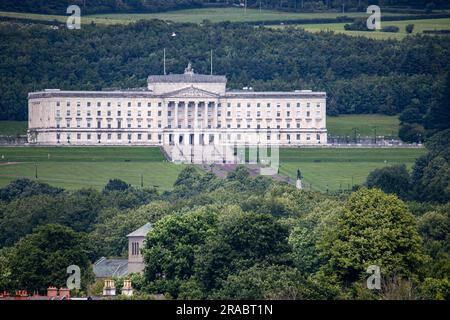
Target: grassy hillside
x=365, y=125
x=419, y=27
x=340, y=168
x=191, y=15
x=13, y=128
x=75, y=168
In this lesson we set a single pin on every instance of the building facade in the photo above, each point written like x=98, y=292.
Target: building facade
x=184, y=109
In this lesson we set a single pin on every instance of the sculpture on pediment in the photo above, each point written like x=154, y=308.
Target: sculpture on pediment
x=189, y=69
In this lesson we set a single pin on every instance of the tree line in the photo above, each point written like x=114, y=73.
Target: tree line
x=359, y=75
x=102, y=6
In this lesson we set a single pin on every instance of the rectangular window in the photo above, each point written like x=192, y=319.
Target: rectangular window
x=99, y=104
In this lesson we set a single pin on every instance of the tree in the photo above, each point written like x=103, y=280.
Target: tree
x=409, y=28
x=110, y=236
x=411, y=132
x=438, y=116
x=25, y=188
x=116, y=185
x=171, y=246
x=40, y=259
x=267, y=282
x=430, y=177
x=373, y=229
x=394, y=179
x=243, y=239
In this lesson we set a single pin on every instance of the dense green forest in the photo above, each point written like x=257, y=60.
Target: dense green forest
x=241, y=237
x=98, y=6
x=359, y=75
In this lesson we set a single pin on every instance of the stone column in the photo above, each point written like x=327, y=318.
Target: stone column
x=195, y=115
x=176, y=115
x=216, y=114
x=186, y=121
x=206, y=114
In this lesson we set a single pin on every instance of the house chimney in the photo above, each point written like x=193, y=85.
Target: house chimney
x=109, y=288
x=127, y=289
x=52, y=292
x=64, y=293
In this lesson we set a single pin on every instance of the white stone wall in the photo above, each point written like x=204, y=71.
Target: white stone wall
x=78, y=118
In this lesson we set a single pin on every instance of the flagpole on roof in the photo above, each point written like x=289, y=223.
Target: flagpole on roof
x=164, y=60
x=211, y=62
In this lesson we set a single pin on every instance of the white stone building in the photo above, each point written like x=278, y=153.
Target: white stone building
x=177, y=109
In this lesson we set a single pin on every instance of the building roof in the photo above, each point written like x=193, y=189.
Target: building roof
x=142, y=231
x=105, y=268
x=187, y=78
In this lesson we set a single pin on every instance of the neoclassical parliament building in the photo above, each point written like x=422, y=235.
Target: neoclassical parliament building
x=186, y=109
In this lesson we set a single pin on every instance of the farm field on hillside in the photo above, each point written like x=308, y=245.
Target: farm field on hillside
x=419, y=27
x=191, y=15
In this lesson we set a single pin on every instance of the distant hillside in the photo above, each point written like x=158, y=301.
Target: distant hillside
x=108, y=6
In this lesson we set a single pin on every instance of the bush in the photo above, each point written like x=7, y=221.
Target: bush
x=409, y=28
x=390, y=29
x=394, y=179
x=116, y=184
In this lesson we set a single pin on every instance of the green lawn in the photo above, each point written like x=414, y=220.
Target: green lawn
x=419, y=27
x=190, y=15
x=13, y=128
x=365, y=124
x=77, y=167
x=338, y=168
x=74, y=168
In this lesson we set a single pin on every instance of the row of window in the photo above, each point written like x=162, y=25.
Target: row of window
x=169, y=114
x=170, y=125
x=149, y=104
x=140, y=136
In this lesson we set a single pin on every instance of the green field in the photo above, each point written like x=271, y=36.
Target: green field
x=190, y=15
x=78, y=167
x=340, y=168
x=13, y=128
x=419, y=27
x=365, y=124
